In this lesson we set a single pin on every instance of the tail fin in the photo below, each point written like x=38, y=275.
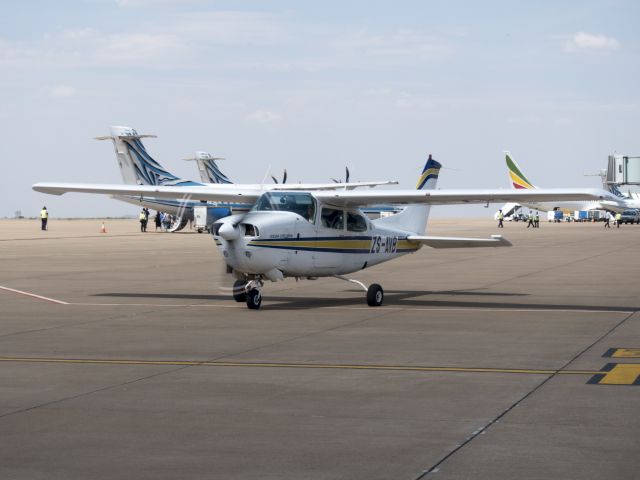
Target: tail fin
x=414, y=217
x=136, y=165
x=613, y=188
x=208, y=168
x=518, y=179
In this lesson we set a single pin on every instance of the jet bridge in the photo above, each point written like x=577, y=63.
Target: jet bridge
x=623, y=170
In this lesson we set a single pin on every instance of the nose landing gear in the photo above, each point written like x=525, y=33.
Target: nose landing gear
x=249, y=292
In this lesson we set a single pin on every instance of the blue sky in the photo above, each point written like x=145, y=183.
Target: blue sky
x=315, y=86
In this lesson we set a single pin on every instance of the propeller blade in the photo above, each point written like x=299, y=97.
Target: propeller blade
x=274, y=179
x=347, y=176
x=284, y=177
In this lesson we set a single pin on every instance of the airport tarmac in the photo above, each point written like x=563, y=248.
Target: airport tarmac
x=122, y=356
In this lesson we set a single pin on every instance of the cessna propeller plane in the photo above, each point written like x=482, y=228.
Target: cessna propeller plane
x=310, y=233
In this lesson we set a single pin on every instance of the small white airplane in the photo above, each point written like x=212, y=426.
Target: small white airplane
x=320, y=233
x=617, y=202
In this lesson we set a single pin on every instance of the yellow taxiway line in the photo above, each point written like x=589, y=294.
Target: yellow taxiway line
x=403, y=368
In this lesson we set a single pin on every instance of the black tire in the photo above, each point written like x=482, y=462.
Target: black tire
x=254, y=299
x=375, y=295
x=239, y=293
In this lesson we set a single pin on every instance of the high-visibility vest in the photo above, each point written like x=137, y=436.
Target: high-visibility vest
x=142, y=216
x=500, y=216
x=44, y=213
x=618, y=216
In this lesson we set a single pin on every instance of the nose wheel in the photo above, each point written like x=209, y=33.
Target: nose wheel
x=254, y=299
x=248, y=292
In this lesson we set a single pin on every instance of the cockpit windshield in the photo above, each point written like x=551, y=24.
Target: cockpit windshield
x=297, y=202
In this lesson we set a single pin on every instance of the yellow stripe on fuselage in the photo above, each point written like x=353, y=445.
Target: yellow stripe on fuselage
x=345, y=245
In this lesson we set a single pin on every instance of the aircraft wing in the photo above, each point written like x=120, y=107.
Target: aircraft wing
x=328, y=186
x=460, y=197
x=213, y=193
x=460, y=242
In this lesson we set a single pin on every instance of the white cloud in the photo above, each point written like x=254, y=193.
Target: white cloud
x=400, y=44
x=263, y=116
x=143, y=47
x=231, y=28
x=78, y=33
x=62, y=91
x=185, y=40
x=589, y=42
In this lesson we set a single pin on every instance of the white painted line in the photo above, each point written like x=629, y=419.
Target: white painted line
x=28, y=294
x=181, y=305
x=408, y=309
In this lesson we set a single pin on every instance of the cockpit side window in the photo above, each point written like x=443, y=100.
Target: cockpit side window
x=297, y=202
x=356, y=222
x=332, y=218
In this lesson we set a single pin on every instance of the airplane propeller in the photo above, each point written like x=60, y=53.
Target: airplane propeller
x=284, y=178
x=346, y=178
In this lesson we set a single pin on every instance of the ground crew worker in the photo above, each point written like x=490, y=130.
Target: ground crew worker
x=500, y=219
x=536, y=220
x=143, y=221
x=530, y=218
x=44, y=218
x=618, y=219
x=607, y=219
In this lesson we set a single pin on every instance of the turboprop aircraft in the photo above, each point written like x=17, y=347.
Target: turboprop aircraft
x=208, y=168
x=138, y=167
x=519, y=181
x=322, y=233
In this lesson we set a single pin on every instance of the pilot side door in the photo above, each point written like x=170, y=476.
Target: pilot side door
x=330, y=234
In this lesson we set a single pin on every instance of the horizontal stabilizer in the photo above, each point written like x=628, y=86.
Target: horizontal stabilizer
x=460, y=242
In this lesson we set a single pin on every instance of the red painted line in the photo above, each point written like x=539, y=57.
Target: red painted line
x=28, y=294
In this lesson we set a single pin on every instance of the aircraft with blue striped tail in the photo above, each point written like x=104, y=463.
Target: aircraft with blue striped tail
x=138, y=167
x=306, y=234
x=208, y=168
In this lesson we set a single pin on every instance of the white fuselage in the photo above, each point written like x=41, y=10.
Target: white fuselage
x=297, y=247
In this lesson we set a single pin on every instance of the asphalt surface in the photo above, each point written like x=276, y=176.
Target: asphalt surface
x=132, y=361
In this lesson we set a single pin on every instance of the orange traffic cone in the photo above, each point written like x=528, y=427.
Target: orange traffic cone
x=103, y=229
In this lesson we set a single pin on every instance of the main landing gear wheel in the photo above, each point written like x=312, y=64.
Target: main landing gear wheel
x=239, y=293
x=254, y=299
x=375, y=295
